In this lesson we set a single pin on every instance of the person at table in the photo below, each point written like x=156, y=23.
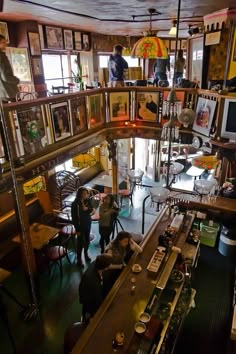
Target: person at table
x=107, y=213
x=81, y=212
x=91, y=289
x=121, y=248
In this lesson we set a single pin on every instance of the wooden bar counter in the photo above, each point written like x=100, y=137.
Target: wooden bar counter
x=122, y=308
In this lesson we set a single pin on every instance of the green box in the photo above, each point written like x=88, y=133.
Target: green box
x=208, y=233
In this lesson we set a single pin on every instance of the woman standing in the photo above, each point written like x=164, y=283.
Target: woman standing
x=179, y=66
x=81, y=212
x=107, y=212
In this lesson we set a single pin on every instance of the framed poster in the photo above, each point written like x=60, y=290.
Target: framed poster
x=95, y=115
x=147, y=107
x=78, y=40
x=204, y=116
x=78, y=114
x=68, y=39
x=60, y=120
x=119, y=103
x=54, y=37
x=37, y=66
x=4, y=31
x=86, y=44
x=20, y=63
x=32, y=129
x=34, y=43
x=181, y=96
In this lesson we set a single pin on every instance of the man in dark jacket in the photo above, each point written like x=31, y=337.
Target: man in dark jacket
x=8, y=82
x=91, y=288
x=117, y=65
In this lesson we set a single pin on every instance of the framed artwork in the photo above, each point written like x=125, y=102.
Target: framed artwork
x=204, y=116
x=34, y=43
x=78, y=40
x=37, y=66
x=68, y=39
x=234, y=53
x=32, y=128
x=78, y=114
x=20, y=63
x=4, y=31
x=147, y=108
x=95, y=105
x=54, y=37
x=60, y=120
x=181, y=96
x=119, y=103
x=86, y=44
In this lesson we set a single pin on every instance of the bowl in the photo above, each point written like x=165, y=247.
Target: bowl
x=136, y=268
x=140, y=327
x=144, y=317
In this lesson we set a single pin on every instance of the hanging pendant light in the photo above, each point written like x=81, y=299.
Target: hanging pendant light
x=173, y=29
x=149, y=46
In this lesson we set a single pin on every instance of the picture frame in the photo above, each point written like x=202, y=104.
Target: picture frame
x=234, y=51
x=37, y=66
x=54, y=37
x=68, y=39
x=119, y=106
x=204, y=116
x=95, y=110
x=78, y=111
x=181, y=97
x=19, y=59
x=32, y=130
x=4, y=31
x=34, y=43
x=41, y=36
x=60, y=120
x=86, y=42
x=78, y=40
x=147, y=107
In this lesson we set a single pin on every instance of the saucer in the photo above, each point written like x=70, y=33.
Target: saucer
x=136, y=268
x=144, y=317
x=140, y=327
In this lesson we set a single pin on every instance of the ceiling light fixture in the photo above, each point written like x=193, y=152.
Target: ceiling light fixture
x=173, y=29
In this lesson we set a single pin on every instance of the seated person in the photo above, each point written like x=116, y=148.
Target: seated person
x=91, y=288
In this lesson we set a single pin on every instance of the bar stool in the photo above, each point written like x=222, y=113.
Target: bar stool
x=69, y=231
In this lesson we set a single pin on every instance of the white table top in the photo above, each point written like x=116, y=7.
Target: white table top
x=194, y=171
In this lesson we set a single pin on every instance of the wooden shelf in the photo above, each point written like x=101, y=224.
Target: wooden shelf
x=224, y=145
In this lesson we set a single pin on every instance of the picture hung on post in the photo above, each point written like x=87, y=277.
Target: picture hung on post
x=37, y=66
x=86, y=44
x=60, y=120
x=119, y=103
x=34, y=43
x=78, y=40
x=147, y=107
x=68, y=39
x=54, y=37
x=204, y=116
x=95, y=105
x=180, y=96
x=4, y=31
x=19, y=59
x=32, y=129
x=78, y=114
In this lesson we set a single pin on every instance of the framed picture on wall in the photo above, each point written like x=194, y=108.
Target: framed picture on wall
x=68, y=39
x=4, y=31
x=234, y=53
x=204, y=116
x=78, y=40
x=181, y=96
x=54, y=37
x=119, y=103
x=86, y=44
x=34, y=43
x=78, y=111
x=37, y=66
x=32, y=128
x=147, y=107
x=60, y=120
x=19, y=59
x=95, y=110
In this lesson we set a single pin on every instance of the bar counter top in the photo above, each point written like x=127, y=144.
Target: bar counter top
x=121, y=309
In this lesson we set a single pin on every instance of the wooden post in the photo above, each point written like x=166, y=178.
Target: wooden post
x=112, y=145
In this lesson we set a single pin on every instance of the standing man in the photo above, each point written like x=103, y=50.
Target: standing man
x=8, y=82
x=160, y=68
x=116, y=66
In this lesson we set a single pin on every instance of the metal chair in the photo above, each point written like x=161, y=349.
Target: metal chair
x=126, y=193
x=26, y=96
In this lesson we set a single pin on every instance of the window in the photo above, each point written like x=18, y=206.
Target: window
x=66, y=166
x=56, y=70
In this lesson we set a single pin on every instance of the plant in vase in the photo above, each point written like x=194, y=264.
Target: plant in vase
x=78, y=77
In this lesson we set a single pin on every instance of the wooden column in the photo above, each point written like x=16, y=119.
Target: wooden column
x=112, y=147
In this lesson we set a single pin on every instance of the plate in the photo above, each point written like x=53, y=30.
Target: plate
x=144, y=317
x=136, y=268
x=140, y=327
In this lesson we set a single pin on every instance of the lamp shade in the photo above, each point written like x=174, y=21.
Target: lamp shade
x=149, y=48
x=206, y=162
x=34, y=185
x=84, y=160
